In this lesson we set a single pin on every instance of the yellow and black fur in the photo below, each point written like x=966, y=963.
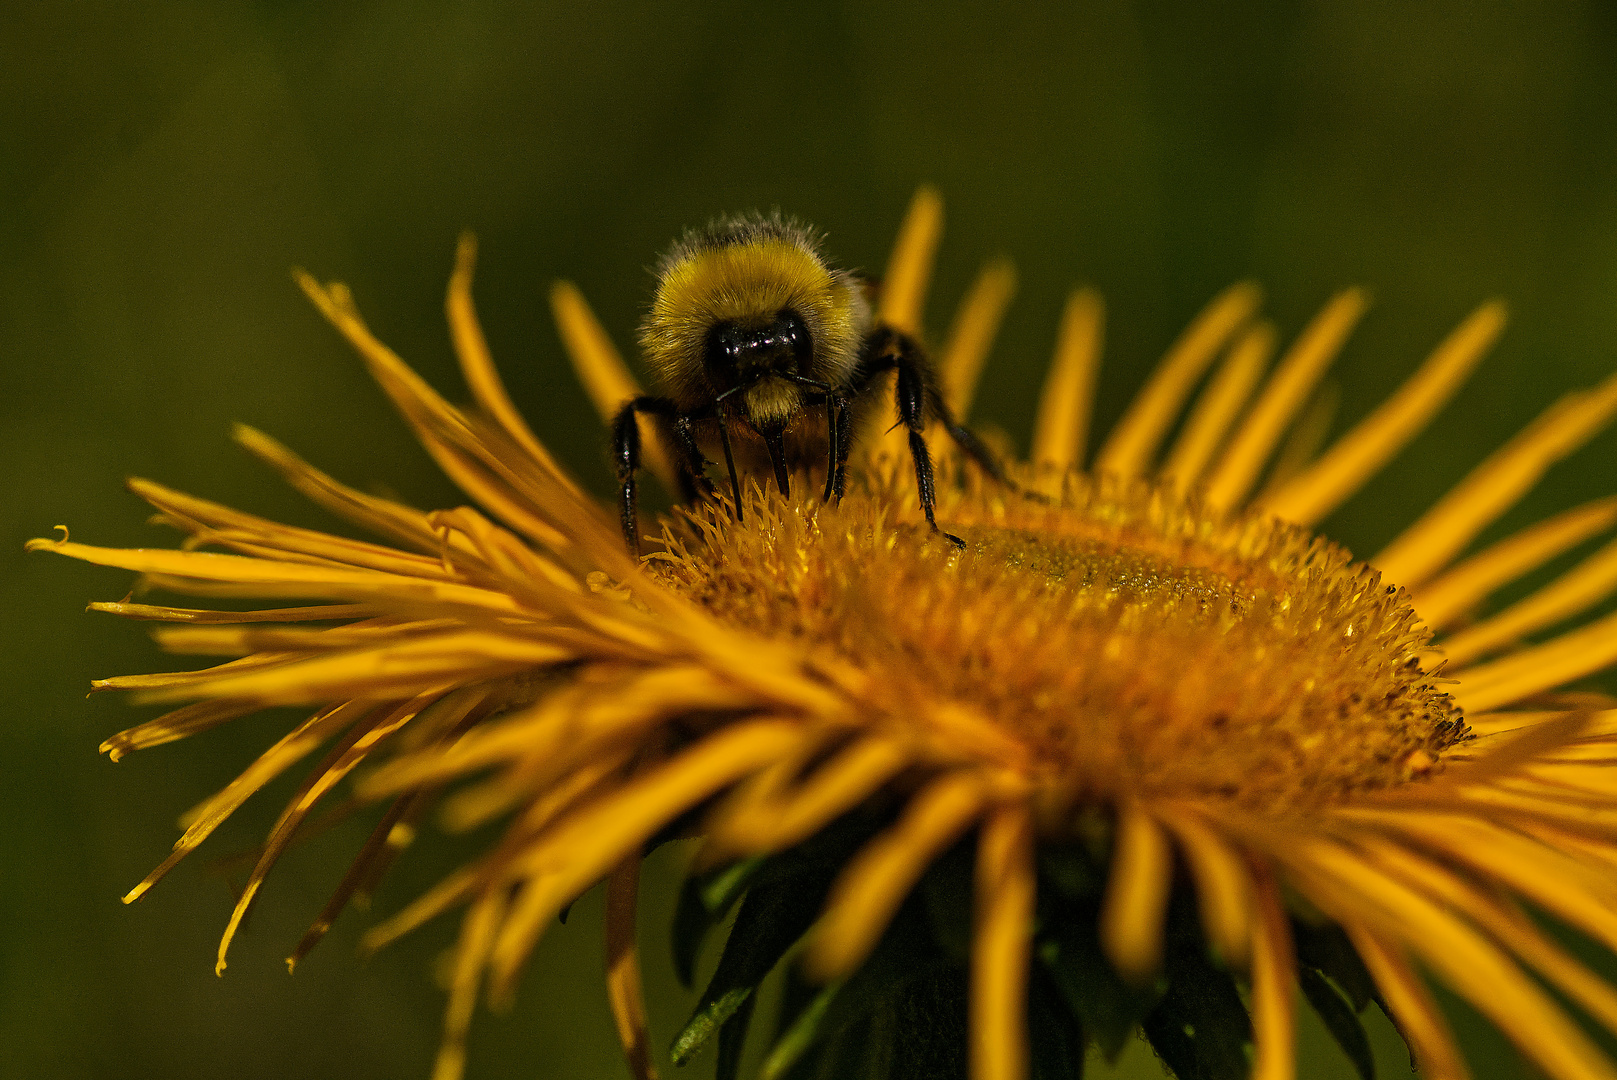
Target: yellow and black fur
x=751, y=334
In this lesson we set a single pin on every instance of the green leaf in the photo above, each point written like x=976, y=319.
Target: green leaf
x=797, y=1038
x=1340, y=1019
x=1107, y=1008
x=692, y=921
x=771, y=919
x=1325, y=947
x=927, y=1037
x=722, y=888
x=1200, y=1028
x=733, y=1040
x=907, y=987
x=704, y=901
x=1055, y=1038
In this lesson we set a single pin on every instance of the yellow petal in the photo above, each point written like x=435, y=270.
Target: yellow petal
x=1361, y=453
x=960, y=365
x=1286, y=392
x=1444, y=600
x=1494, y=486
x=623, y=990
x=1001, y=941
x=1223, y=885
x=1419, y=1019
x=1133, y=442
x=1274, y=1033
x=877, y=879
x=1218, y=404
x=1131, y=917
x=1061, y=432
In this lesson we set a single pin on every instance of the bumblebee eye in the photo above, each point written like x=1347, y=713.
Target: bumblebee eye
x=791, y=335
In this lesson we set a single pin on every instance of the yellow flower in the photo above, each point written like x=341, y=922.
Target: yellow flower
x=1155, y=671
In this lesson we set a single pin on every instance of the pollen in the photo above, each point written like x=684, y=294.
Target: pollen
x=1121, y=641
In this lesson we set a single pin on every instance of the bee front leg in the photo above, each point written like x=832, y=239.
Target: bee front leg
x=626, y=453
x=626, y=458
x=695, y=470
x=839, y=441
x=775, y=443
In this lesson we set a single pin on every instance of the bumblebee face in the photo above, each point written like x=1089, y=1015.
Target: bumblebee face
x=738, y=353
x=744, y=302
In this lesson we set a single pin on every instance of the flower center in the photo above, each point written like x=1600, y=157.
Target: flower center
x=1121, y=640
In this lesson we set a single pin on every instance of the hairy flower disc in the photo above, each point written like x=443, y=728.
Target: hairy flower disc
x=1121, y=639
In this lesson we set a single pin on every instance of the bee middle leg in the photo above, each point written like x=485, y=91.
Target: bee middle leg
x=888, y=349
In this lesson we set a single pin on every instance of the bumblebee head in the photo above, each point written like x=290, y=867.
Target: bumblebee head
x=746, y=298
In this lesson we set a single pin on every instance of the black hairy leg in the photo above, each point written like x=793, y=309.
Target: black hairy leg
x=626, y=452
x=917, y=398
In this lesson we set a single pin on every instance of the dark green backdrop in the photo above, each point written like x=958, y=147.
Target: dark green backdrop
x=163, y=164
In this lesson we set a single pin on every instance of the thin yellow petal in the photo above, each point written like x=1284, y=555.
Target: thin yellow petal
x=960, y=365
x=569, y=723
x=381, y=516
x=1001, y=941
x=1493, y=487
x=271, y=577
x=1586, y=584
x=313, y=613
x=471, y=952
x=217, y=521
x=343, y=757
x=1419, y=1019
x=1574, y=655
x=901, y=304
x=1286, y=392
x=476, y=364
x=397, y=669
x=1274, y=1025
x=1218, y=404
x=1472, y=966
x=188, y=678
x=1362, y=452
x=581, y=787
x=581, y=850
x=623, y=991
x=244, y=640
x=1549, y=878
x=604, y=375
x=271, y=763
x=1133, y=443
x=1061, y=432
x=1223, y=886
x=478, y=458
x=181, y=723
x=1444, y=600
x=774, y=820
x=909, y=268
x=876, y=880
x=1137, y=888
x=1304, y=439
x=1509, y=927
x=391, y=834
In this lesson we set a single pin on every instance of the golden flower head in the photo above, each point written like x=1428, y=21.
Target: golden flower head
x=1157, y=737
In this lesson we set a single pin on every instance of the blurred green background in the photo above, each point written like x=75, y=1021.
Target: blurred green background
x=162, y=166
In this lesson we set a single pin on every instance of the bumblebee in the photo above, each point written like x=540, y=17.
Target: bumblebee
x=753, y=335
